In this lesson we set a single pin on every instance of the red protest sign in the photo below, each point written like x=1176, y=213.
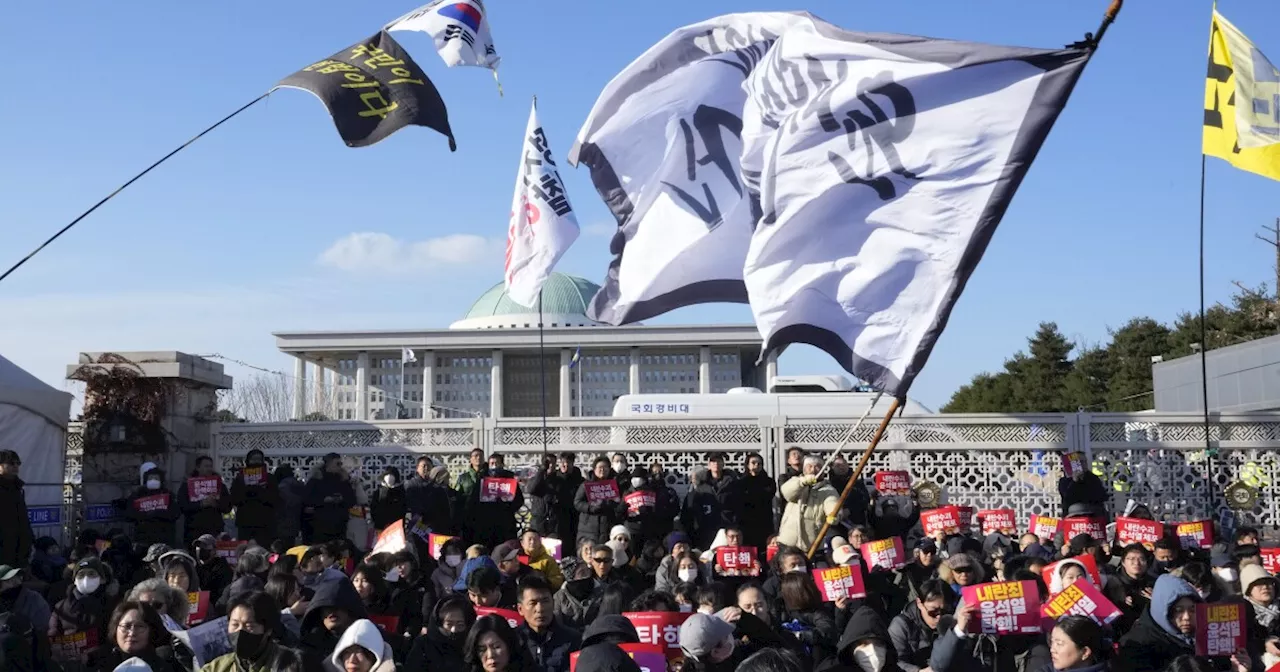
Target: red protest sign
x=1073, y=463
x=1271, y=560
x=514, y=619
x=435, y=541
x=966, y=516
x=387, y=624
x=199, y=607
x=771, y=550
x=736, y=561
x=152, y=503
x=1139, y=531
x=601, y=491
x=1006, y=608
x=836, y=582
x=73, y=647
x=1195, y=534
x=1052, y=573
x=1003, y=521
x=200, y=488
x=661, y=628
x=392, y=539
x=1044, y=526
x=1093, y=526
x=893, y=483
x=497, y=489
x=254, y=476
x=639, y=499
x=884, y=553
x=1081, y=599
x=1220, y=629
x=648, y=657
x=230, y=550
x=945, y=519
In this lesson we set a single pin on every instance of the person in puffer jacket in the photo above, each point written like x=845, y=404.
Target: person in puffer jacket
x=959, y=650
x=203, y=516
x=595, y=520
x=1165, y=630
x=257, y=502
x=914, y=631
x=152, y=508
x=88, y=602
x=330, y=498
x=440, y=650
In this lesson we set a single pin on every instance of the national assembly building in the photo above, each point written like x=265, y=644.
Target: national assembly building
x=487, y=364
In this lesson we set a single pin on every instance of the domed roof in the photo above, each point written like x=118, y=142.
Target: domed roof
x=562, y=295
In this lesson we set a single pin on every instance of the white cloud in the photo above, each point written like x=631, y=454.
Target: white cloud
x=600, y=229
x=369, y=252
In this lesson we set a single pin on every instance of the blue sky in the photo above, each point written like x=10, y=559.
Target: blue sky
x=249, y=230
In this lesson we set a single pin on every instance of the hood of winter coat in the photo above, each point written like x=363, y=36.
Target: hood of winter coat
x=612, y=628
x=1169, y=589
x=866, y=624
x=362, y=633
x=339, y=594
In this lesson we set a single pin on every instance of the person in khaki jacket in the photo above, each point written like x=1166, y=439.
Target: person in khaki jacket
x=809, y=502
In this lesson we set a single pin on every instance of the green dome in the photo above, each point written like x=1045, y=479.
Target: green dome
x=561, y=295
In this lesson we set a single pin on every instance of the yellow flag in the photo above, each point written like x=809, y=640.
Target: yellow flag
x=1246, y=137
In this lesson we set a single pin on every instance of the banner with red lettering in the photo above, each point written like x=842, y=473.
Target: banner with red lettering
x=73, y=647
x=1081, y=599
x=387, y=624
x=200, y=488
x=945, y=519
x=254, y=476
x=514, y=619
x=435, y=541
x=497, y=489
x=601, y=491
x=391, y=539
x=1139, y=531
x=648, y=657
x=836, y=582
x=885, y=553
x=1003, y=521
x=152, y=503
x=639, y=499
x=1220, y=628
x=893, y=483
x=229, y=550
x=736, y=561
x=1009, y=608
x=1044, y=526
x=1073, y=463
x=661, y=628
x=771, y=550
x=1052, y=578
x=198, y=603
x=1195, y=534
x=1094, y=526
x=1271, y=560
x=966, y=517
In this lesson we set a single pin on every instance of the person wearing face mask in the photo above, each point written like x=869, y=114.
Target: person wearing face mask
x=563, y=482
x=621, y=469
x=708, y=644
x=865, y=646
x=388, y=503
x=650, y=515
x=213, y=570
x=87, y=604
x=597, y=518
x=203, y=515
x=809, y=502
x=788, y=560
x=440, y=650
x=253, y=627
x=255, y=494
x=152, y=508
x=449, y=570
x=17, y=599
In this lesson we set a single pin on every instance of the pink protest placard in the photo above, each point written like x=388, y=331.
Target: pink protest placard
x=1093, y=526
x=1220, y=629
x=884, y=553
x=893, y=483
x=736, y=561
x=661, y=628
x=1008, y=608
x=1090, y=568
x=1082, y=599
x=1271, y=560
x=200, y=488
x=254, y=476
x=601, y=491
x=152, y=503
x=966, y=516
x=945, y=519
x=837, y=582
x=640, y=499
x=1044, y=526
x=998, y=520
x=1139, y=531
x=514, y=619
x=1073, y=463
x=1195, y=534
x=497, y=489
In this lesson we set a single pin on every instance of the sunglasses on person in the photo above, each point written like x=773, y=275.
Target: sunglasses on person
x=962, y=570
x=602, y=561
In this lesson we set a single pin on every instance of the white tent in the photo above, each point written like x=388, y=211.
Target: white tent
x=33, y=423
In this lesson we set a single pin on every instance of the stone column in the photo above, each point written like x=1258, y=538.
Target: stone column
x=566, y=403
x=299, y=387
x=634, y=374
x=428, y=360
x=322, y=396
x=770, y=370
x=495, y=386
x=362, y=386
x=704, y=370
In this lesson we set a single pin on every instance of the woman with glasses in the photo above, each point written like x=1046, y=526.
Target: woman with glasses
x=492, y=646
x=253, y=626
x=441, y=649
x=914, y=631
x=134, y=631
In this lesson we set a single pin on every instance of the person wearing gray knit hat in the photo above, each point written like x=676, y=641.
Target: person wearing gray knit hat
x=706, y=638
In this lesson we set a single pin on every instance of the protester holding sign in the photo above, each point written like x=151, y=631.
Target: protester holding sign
x=152, y=508
x=1083, y=494
x=203, y=499
x=804, y=614
x=1164, y=632
x=330, y=498
x=256, y=498
x=651, y=511
x=599, y=504
x=491, y=518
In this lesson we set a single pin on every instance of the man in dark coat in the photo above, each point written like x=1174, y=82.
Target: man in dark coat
x=548, y=640
x=595, y=520
x=491, y=523
x=564, y=483
x=544, y=512
x=330, y=497
x=257, y=501
x=203, y=515
x=1083, y=494
x=15, y=534
x=859, y=500
x=700, y=516
x=333, y=608
x=750, y=503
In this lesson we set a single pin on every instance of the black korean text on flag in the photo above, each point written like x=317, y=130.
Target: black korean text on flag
x=373, y=89
x=547, y=188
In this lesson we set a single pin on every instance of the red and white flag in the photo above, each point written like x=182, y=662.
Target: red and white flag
x=542, y=223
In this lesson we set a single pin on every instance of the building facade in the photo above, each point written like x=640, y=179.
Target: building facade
x=1243, y=378
x=488, y=362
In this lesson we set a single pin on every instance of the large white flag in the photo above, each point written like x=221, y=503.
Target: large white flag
x=460, y=29
x=542, y=222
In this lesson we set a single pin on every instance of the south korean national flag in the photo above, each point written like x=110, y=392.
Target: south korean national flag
x=542, y=222
x=460, y=29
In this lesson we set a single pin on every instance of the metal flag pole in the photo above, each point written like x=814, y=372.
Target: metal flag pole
x=849, y=436
x=1204, y=363
x=582, y=365
x=133, y=179
x=542, y=373
x=401, y=410
x=856, y=478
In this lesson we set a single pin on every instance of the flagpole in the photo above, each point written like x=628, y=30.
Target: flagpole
x=401, y=409
x=582, y=365
x=856, y=478
x=1204, y=354
x=124, y=186
x=542, y=373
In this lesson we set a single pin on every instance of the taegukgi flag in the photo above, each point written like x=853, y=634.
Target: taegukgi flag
x=542, y=222
x=459, y=28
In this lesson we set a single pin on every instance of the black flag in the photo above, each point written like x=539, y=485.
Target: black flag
x=373, y=89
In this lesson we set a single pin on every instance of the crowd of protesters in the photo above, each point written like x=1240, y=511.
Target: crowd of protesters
x=471, y=589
